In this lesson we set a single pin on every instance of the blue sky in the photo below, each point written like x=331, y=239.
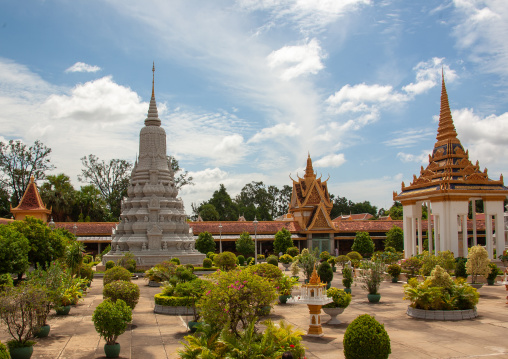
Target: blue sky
x=245, y=89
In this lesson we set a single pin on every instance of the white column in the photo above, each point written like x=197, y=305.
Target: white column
x=437, y=231
x=429, y=227
x=408, y=249
x=413, y=236
x=473, y=211
x=420, y=235
x=464, y=236
x=494, y=208
x=488, y=234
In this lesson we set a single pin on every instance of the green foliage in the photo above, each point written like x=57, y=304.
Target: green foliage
x=14, y=248
x=173, y=301
x=285, y=285
x=412, y=266
x=395, y=239
x=340, y=298
x=226, y=261
x=460, y=268
x=324, y=256
x=440, y=278
x=477, y=262
x=6, y=281
x=86, y=272
x=236, y=298
x=332, y=261
x=342, y=260
x=286, y=259
x=347, y=277
x=111, y=318
x=245, y=245
x=74, y=253
x=372, y=276
x=394, y=270
x=306, y=261
x=458, y=295
x=45, y=245
x=388, y=256
x=325, y=272
x=120, y=289
x=366, y=338
x=282, y=241
x=205, y=243
x=494, y=270
x=273, y=260
x=443, y=259
x=354, y=256
x=207, y=263
x=162, y=272
x=210, y=255
x=208, y=212
x=116, y=273
x=4, y=353
x=241, y=260
x=250, y=261
x=266, y=270
x=293, y=251
x=128, y=261
x=110, y=264
x=261, y=257
x=363, y=244
x=175, y=260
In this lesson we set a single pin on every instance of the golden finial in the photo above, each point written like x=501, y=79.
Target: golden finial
x=153, y=79
x=314, y=279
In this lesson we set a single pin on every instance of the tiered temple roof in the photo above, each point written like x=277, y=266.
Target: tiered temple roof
x=449, y=172
x=31, y=204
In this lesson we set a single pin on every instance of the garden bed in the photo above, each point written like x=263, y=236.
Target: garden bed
x=170, y=310
x=173, y=305
x=442, y=314
x=153, y=283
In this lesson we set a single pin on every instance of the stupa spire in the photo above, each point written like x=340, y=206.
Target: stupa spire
x=446, y=130
x=309, y=170
x=153, y=116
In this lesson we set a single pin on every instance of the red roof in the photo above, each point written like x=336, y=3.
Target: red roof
x=88, y=228
x=268, y=227
x=353, y=217
x=31, y=200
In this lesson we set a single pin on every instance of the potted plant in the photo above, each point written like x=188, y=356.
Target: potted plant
x=371, y=279
x=347, y=278
x=110, y=321
x=341, y=300
x=285, y=287
x=295, y=270
x=306, y=262
x=491, y=277
x=20, y=308
x=394, y=271
x=286, y=261
x=504, y=257
x=325, y=273
x=477, y=264
x=332, y=261
x=411, y=267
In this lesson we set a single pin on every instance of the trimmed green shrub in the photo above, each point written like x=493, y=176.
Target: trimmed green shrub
x=86, y=272
x=363, y=244
x=354, y=256
x=210, y=255
x=272, y=260
x=110, y=264
x=460, y=268
x=120, y=289
x=116, y=273
x=207, y=263
x=189, y=267
x=250, y=261
x=226, y=261
x=340, y=298
x=286, y=259
x=245, y=245
x=395, y=239
x=172, y=301
x=211, y=269
x=342, y=260
x=110, y=319
x=241, y=260
x=205, y=243
x=494, y=270
x=394, y=270
x=4, y=353
x=293, y=251
x=325, y=272
x=365, y=338
x=324, y=256
x=175, y=260
x=347, y=277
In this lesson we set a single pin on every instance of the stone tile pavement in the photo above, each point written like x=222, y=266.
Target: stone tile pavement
x=157, y=336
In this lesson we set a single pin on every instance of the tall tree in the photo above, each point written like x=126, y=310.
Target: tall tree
x=283, y=199
x=181, y=179
x=224, y=205
x=111, y=178
x=254, y=200
x=19, y=162
x=209, y=213
x=57, y=192
x=90, y=204
x=396, y=210
x=245, y=245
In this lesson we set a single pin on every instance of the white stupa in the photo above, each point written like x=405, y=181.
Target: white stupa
x=153, y=223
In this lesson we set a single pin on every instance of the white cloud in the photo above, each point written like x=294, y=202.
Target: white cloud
x=422, y=158
x=82, y=67
x=409, y=138
x=278, y=131
x=295, y=61
x=428, y=75
x=482, y=28
x=332, y=160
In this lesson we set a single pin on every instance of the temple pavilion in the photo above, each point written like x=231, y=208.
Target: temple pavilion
x=447, y=186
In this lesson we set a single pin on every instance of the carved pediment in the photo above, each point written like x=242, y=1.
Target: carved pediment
x=154, y=231
x=477, y=177
x=459, y=150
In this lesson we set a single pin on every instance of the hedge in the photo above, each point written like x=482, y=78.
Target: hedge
x=173, y=301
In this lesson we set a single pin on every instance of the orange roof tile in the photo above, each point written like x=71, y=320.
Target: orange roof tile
x=269, y=227
x=88, y=228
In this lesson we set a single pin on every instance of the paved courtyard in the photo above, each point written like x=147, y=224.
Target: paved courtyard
x=158, y=336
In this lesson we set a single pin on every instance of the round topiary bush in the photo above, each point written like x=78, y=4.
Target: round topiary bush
x=110, y=319
x=110, y=264
x=175, y=260
x=293, y=251
x=273, y=260
x=241, y=260
x=226, y=260
x=354, y=256
x=325, y=272
x=117, y=273
x=365, y=338
x=120, y=289
x=210, y=254
x=207, y=263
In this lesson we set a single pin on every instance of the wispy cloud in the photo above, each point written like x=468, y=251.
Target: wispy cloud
x=409, y=138
x=82, y=67
x=278, y=131
x=421, y=158
x=333, y=160
x=428, y=75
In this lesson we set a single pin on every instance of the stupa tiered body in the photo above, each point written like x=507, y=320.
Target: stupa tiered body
x=153, y=225
x=314, y=295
